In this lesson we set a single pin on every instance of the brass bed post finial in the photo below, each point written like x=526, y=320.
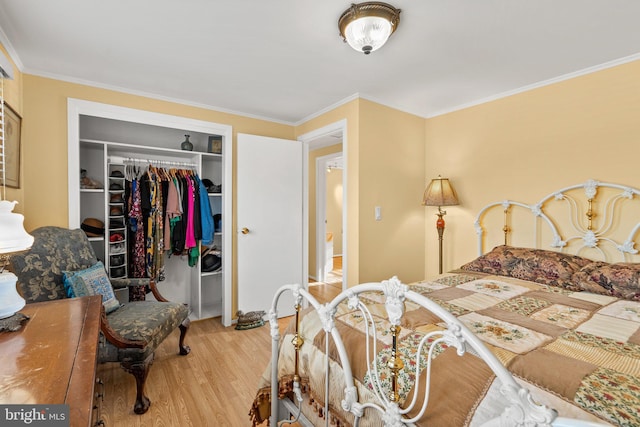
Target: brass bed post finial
x=395, y=364
x=297, y=342
x=590, y=215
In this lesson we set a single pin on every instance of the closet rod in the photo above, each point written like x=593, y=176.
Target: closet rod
x=131, y=161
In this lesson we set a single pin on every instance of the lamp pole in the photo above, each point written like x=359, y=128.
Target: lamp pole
x=440, y=227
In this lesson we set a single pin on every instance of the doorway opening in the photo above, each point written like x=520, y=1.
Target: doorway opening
x=327, y=206
x=329, y=194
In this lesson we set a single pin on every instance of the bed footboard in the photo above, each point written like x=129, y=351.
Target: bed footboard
x=383, y=383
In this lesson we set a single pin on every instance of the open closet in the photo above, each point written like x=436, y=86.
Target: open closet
x=115, y=154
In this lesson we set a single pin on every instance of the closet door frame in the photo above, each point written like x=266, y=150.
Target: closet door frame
x=77, y=108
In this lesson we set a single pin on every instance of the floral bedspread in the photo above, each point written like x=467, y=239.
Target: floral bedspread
x=577, y=352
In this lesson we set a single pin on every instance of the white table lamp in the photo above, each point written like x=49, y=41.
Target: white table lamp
x=13, y=238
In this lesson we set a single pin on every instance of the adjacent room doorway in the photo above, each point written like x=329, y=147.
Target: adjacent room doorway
x=323, y=158
x=329, y=200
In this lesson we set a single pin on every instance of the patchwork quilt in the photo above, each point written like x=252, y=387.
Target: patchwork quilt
x=577, y=352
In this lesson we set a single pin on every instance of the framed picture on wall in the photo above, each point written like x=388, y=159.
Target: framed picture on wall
x=11, y=155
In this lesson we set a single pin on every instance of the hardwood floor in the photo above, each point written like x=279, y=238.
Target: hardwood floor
x=214, y=385
x=325, y=292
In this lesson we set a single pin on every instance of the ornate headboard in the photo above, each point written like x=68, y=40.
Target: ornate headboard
x=598, y=220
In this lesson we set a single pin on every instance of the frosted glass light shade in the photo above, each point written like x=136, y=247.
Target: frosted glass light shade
x=367, y=26
x=13, y=237
x=368, y=34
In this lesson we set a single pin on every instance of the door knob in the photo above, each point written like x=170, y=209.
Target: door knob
x=245, y=230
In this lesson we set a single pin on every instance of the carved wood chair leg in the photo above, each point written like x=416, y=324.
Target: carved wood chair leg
x=140, y=371
x=184, y=349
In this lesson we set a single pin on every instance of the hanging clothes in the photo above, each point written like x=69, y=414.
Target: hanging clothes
x=206, y=219
x=179, y=226
x=197, y=221
x=135, y=222
x=173, y=212
x=190, y=238
x=155, y=221
x=165, y=214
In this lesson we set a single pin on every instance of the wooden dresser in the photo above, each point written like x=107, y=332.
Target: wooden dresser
x=53, y=358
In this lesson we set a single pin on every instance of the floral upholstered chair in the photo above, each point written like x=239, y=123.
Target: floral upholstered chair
x=130, y=332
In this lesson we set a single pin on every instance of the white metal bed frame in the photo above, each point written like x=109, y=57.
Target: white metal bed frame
x=521, y=409
x=585, y=232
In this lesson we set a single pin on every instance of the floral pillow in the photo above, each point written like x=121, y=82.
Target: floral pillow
x=536, y=265
x=620, y=280
x=91, y=281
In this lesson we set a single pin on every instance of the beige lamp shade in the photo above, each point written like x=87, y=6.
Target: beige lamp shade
x=440, y=192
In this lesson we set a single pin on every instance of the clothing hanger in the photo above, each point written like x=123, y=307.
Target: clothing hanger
x=165, y=174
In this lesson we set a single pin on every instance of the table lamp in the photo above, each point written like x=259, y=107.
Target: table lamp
x=440, y=193
x=13, y=238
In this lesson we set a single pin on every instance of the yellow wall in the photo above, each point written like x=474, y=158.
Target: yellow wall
x=391, y=174
x=528, y=145
x=313, y=155
x=45, y=138
x=384, y=152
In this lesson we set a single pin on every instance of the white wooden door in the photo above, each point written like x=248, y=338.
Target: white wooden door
x=269, y=220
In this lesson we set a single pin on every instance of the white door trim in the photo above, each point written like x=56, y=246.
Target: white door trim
x=308, y=138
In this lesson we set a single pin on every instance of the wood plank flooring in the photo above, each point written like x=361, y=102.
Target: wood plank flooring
x=214, y=385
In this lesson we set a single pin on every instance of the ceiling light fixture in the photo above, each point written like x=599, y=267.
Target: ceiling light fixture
x=367, y=26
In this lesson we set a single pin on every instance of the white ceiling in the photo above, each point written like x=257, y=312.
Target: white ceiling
x=283, y=60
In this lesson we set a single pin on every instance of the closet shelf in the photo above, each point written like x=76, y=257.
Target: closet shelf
x=128, y=150
x=212, y=273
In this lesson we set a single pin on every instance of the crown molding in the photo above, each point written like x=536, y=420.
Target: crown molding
x=558, y=79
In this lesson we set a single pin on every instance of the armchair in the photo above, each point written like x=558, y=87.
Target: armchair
x=131, y=333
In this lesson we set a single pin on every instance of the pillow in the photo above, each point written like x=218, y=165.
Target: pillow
x=536, y=265
x=91, y=281
x=620, y=280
